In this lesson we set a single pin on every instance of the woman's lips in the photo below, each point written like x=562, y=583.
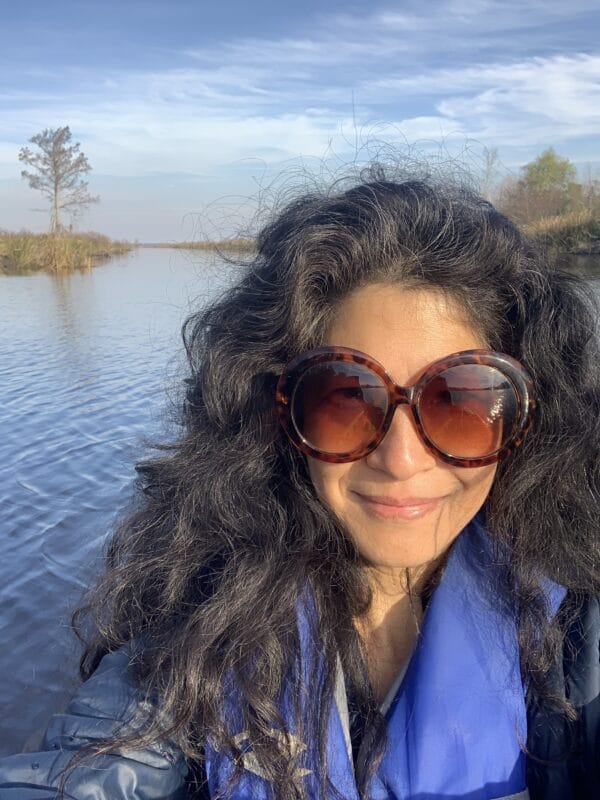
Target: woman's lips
x=394, y=508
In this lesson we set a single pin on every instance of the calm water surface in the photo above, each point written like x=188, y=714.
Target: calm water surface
x=89, y=365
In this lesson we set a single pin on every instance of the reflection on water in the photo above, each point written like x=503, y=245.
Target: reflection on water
x=88, y=363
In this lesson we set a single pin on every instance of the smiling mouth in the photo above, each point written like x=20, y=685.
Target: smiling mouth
x=392, y=508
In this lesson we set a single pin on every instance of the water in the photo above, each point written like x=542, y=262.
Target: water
x=89, y=363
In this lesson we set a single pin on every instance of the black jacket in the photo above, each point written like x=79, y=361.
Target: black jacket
x=566, y=765
x=565, y=762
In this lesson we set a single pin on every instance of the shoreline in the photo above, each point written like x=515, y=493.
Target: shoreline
x=571, y=241
x=237, y=245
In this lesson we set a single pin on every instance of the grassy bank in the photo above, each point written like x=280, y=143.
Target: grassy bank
x=575, y=233
x=25, y=252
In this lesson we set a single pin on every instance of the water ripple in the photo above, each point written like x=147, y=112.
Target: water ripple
x=88, y=364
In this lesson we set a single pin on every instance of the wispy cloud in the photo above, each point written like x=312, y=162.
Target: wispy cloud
x=184, y=119
x=530, y=79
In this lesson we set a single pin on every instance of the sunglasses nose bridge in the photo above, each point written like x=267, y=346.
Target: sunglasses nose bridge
x=402, y=395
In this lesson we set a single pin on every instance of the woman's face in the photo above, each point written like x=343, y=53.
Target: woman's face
x=401, y=504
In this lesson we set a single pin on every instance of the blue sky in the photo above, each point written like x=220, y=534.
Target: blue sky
x=188, y=110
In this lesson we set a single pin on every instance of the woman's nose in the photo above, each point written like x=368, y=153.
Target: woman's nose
x=402, y=452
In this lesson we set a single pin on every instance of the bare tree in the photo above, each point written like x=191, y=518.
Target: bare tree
x=57, y=170
x=591, y=189
x=491, y=165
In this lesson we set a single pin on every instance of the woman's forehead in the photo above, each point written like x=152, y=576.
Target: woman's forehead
x=399, y=308
x=403, y=329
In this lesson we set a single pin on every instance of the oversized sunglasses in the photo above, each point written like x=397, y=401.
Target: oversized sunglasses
x=470, y=408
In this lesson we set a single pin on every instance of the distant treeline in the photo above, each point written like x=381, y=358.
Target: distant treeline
x=547, y=200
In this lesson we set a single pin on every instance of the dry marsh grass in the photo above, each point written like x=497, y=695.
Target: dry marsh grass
x=25, y=252
x=576, y=231
x=237, y=245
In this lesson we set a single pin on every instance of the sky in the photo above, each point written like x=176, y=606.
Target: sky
x=195, y=113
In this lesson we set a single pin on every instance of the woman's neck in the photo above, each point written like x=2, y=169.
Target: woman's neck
x=389, y=629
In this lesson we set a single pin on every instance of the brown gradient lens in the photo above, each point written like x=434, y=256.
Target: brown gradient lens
x=339, y=407
x=469, y=411
x=471, y=408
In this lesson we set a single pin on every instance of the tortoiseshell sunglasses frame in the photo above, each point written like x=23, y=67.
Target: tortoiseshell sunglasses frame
x=410, y=395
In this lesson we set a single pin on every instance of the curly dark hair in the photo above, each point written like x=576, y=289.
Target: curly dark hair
x=204, y=576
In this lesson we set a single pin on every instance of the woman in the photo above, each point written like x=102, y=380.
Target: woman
x=369, y=568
